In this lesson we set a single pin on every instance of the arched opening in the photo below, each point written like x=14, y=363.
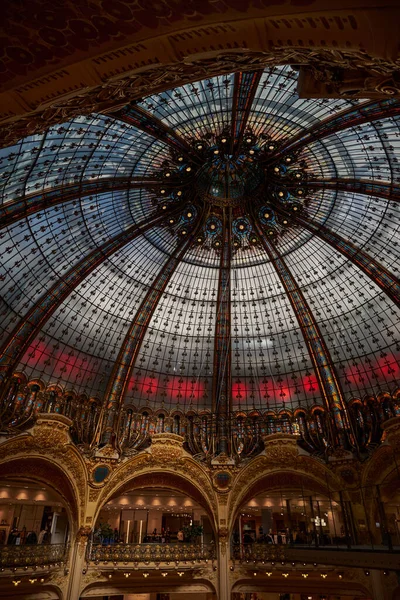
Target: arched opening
x=296, y=510
x=38, y=520
x=152, y=515
x=154, y=518
x=297, y=516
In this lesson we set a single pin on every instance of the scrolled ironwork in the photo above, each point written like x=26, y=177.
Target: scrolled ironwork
x=150, y=554
x=32, y=555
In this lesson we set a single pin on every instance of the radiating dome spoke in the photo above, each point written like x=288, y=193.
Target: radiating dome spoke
x=21, y=208
x=381, y=276
x=118, y=383
x=143, y=120
x=380, y=189
x=351, y=117
x=14, y=348
x=319, y=353
x=244, y=91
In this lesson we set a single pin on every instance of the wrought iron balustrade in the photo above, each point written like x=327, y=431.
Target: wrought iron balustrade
x=150, y=553
x=34, y=555
x=258, y=552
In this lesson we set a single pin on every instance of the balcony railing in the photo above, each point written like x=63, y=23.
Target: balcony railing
x=150, y=553
x=32, y=556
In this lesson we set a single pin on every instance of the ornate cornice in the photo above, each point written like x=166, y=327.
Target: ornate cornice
x=132, y=84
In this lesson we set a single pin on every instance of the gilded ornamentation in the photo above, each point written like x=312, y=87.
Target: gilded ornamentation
x=166, y=454
x=223, y=536
x=50, y=438
x=159, y=77
x=93, y=494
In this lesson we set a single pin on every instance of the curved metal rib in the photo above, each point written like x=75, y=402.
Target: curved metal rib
x=142, y=119
x=130, y=347
x=244, y=91
x=319, y=353
x=18, y=341
x=26, y=206
x=371, y=267
x=351, y=117
x=368, y=187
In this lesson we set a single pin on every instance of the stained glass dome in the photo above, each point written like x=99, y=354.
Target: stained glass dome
x=225, y=241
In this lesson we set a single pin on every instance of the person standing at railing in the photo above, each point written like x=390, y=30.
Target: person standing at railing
x=180, y=536
x=41, y=536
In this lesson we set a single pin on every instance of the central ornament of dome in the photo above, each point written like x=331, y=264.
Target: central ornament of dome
x=216, y=173
x=226, y=180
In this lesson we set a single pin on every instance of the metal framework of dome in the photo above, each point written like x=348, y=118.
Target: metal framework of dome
x=219, y=260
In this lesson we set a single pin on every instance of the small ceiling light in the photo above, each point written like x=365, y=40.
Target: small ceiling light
x=248, y=140
x=184, y=232
x=110, y=576
x=188, y=169
x=171, y=221
x=281, y=194
x=324, y=575
x=254, y=240
x=271, y=147
x=268, y=573
x=164, y=207
x=241, y=227
x=367, y=573
x=179, y=193
x=340, y=576
x=180, y=573
x=298, y=175
x=251, y=151
x=305, y=575
x=189, y=215
x=164, y=573
x=162, y=191
x=288, y=159
x=32, y=580
x=295, y=208
x=276, y=169
x=271, y=232
x=217, y=244
x=285, y=222
x=223, y=140
x=168, y=174
x=212, y=226
x=266, y=215
x=300, y=192
x=255, y=574
x=216, y=151
x=145, y=575
x=16, y=581
x=285, y=574
x=180, y=158
x=199, y=240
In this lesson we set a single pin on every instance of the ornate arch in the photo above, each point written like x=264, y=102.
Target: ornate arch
x=46, y=454
x=167, y=465
x=282, y=466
